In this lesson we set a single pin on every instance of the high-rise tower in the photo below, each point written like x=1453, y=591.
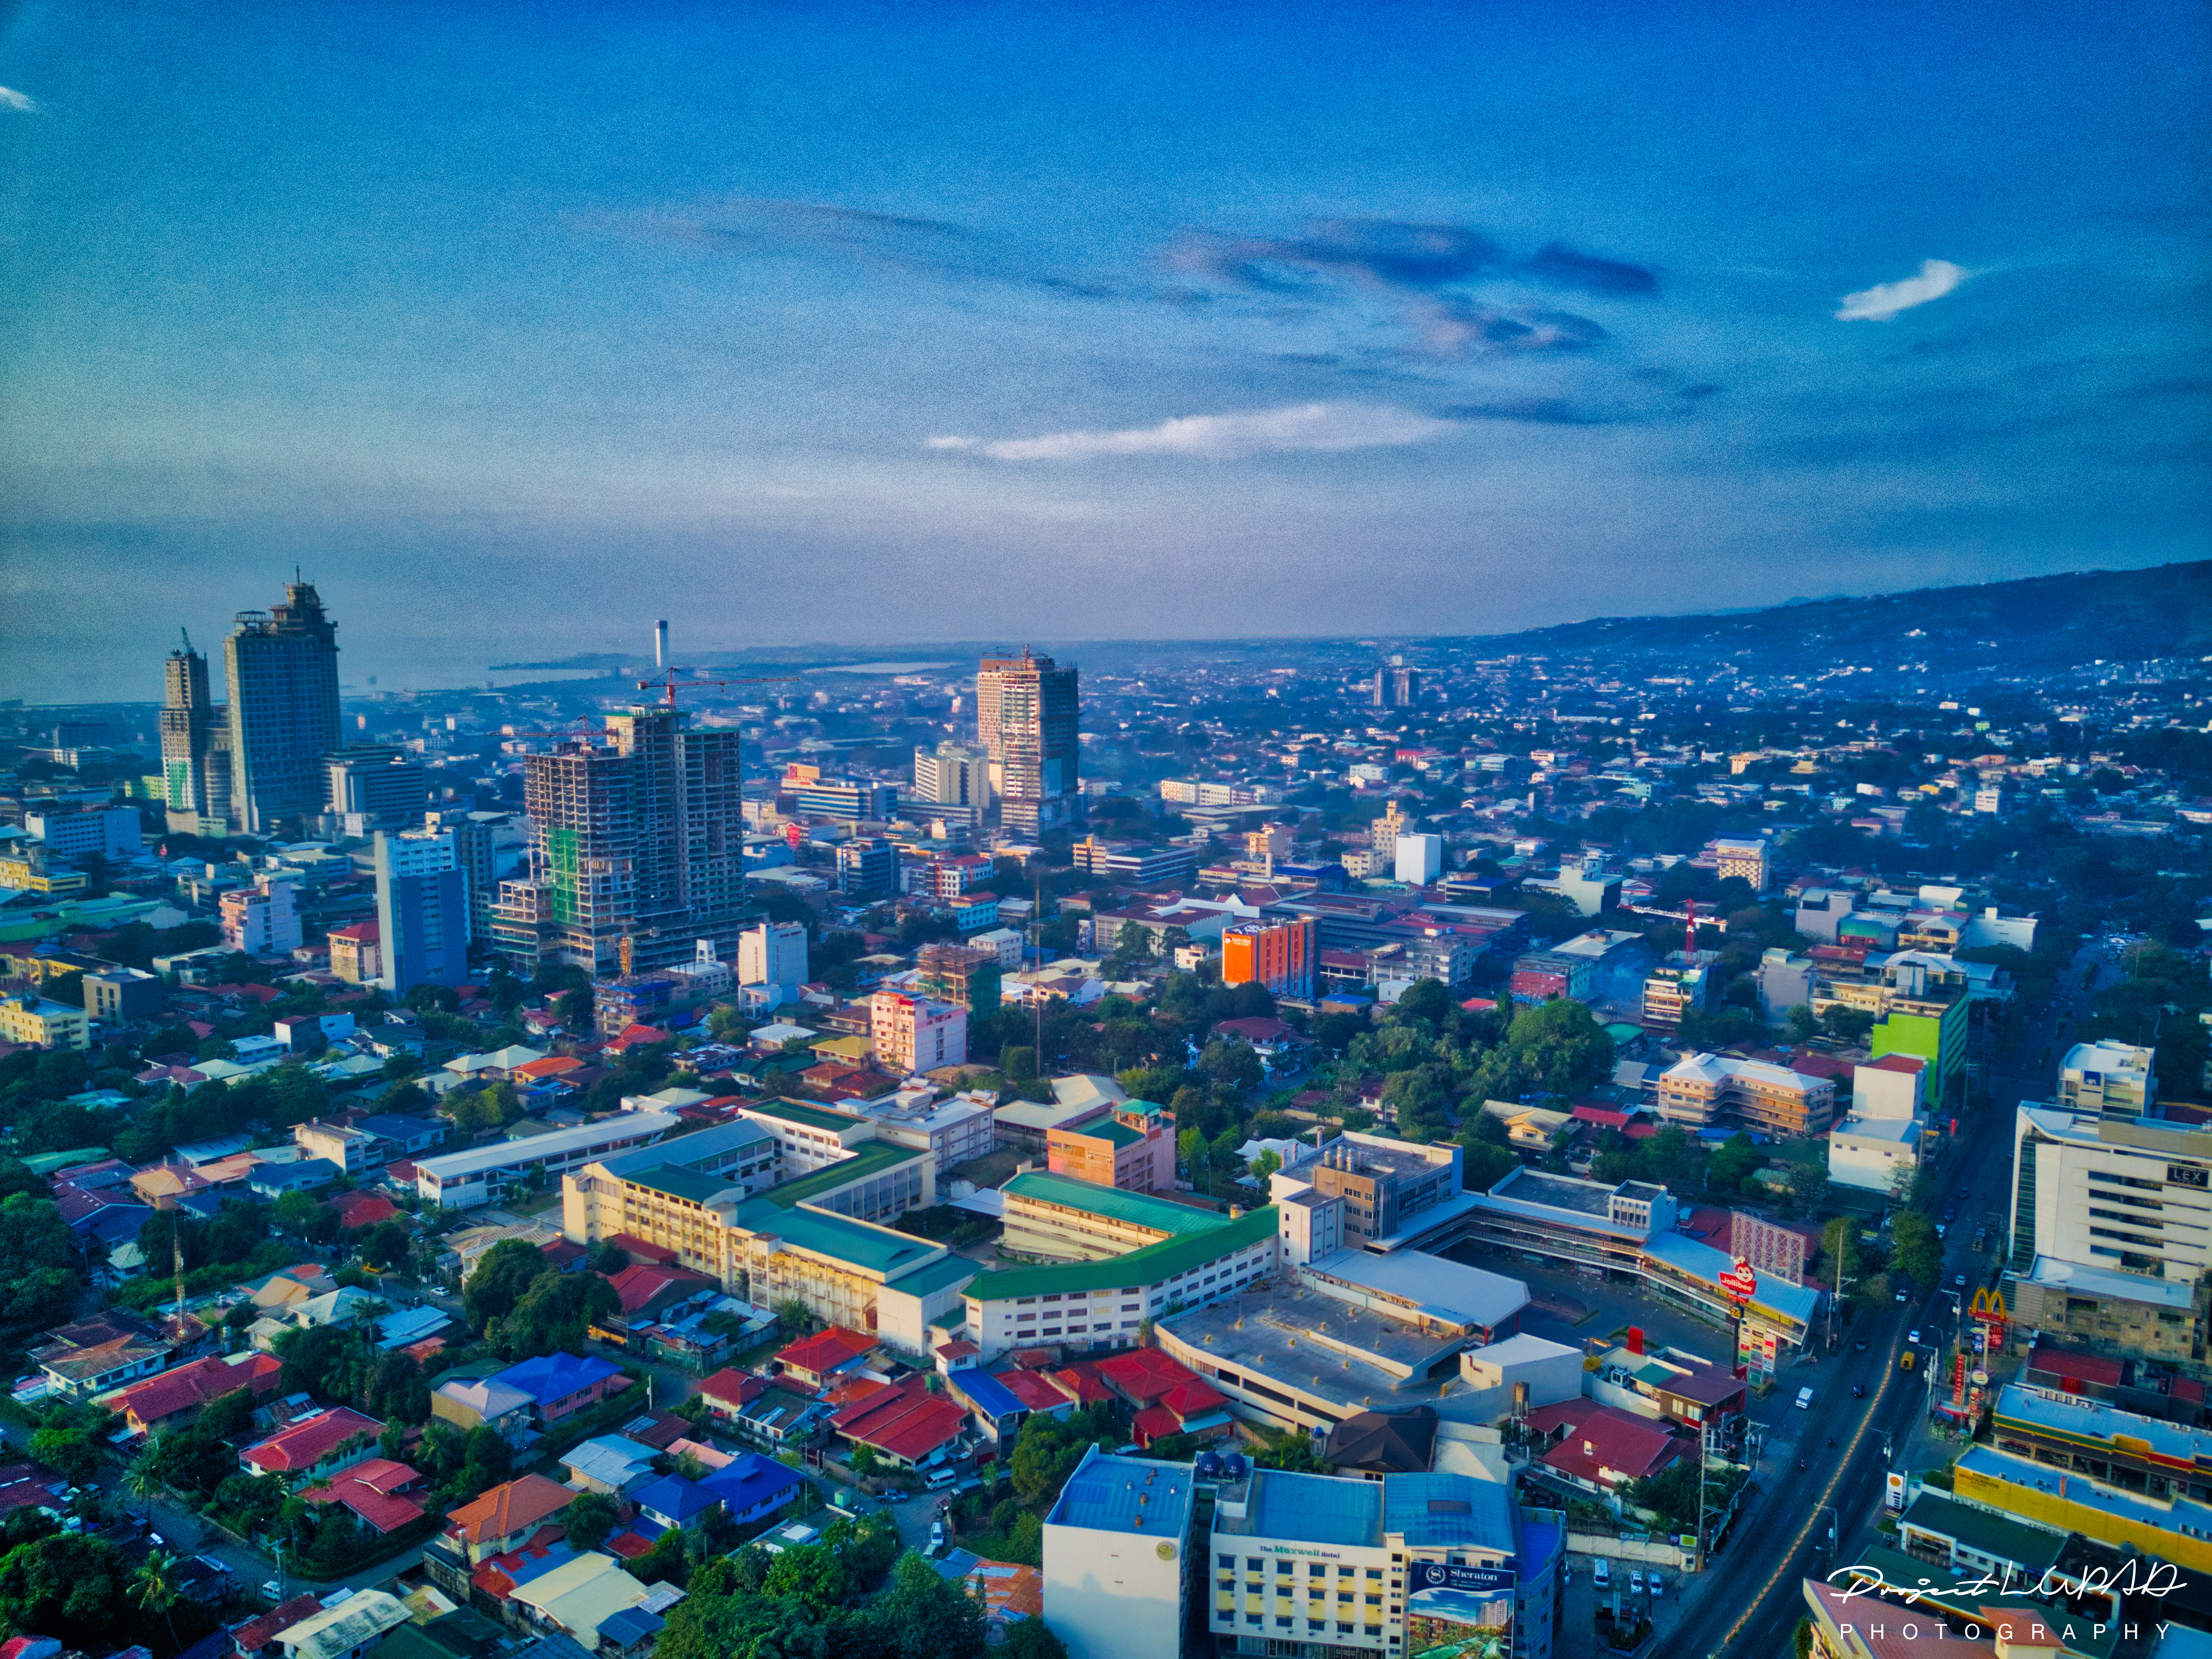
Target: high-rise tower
x=282, y=669
x=1026, y=713
x=195, y=747
x=422, y=910
x=638, y=846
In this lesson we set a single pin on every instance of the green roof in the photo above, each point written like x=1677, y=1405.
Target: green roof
x=938, y=1274
x=872, y=1248
x=1106, y=1128
x=1146, y=1266
x=1140, y=1209
x=43, y=1164
x=1995, y=1535
x=871, y=1157
x=679, y=1182
x=792, y=1112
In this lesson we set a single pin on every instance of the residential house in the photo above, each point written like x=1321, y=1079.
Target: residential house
x=308, y=1447
x=559, y=1384
x=906, y=1425
x=1602, y=1448
x=579, y=1595
x=382, y=1492
x=502, y=1518
x=173, y=1397
x=819, y=1359
x=89, y=1357
x=609, y=1463
x=483, y=1402
x=347, y=1630
x=752, y=1487
x=272, y=1182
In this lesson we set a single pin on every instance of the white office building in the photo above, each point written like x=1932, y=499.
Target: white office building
x=484, y=1175
x=1419, y=860
x=2111, y=1077
x=772, y=957
x=1114, y=1544
x=2133, y=1195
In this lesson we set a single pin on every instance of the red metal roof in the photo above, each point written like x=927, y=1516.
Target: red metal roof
x=373, y=1491
x=1599, y=1438
x=731, y=1387
x=181, y=1389
x=906, y=1420
x=826, y=1350
x=306, y=1443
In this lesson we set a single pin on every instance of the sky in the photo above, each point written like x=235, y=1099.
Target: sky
x=518, y=328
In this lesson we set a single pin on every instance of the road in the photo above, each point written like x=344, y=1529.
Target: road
x=1747, y=1604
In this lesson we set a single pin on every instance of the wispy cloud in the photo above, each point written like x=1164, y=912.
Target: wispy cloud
x=1884, y=300
x=1375, y=252
x=1451, y=326
x=1563, y=267
x=1219, y=437
x=11, y=99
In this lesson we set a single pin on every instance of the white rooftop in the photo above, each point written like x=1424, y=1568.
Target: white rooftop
x=2086, y=1280
x=1440, y=1289
x=538, y=1149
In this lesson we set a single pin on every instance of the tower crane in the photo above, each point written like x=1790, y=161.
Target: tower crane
x=669, y=685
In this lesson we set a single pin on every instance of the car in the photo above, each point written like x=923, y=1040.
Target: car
x=271, y=1590
x=1938, y=1229
x=1804, y=1398
x=1913, y=1337
x=1959, y=1282
x=937, y=1537
x=1858, y=1390
x=1900, y=1297
x=1636, y=1581
x=1601, y=1573
x=1862, y=1344
x=1653, y=1586
x=938, y=1479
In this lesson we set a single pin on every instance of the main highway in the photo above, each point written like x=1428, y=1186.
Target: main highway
x=1747, y=1603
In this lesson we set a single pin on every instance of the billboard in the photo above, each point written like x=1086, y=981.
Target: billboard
x=1770, y=1248
x=1458, y=1613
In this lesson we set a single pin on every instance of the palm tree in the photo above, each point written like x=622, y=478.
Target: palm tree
x=142, y=1478
x=152, y=1590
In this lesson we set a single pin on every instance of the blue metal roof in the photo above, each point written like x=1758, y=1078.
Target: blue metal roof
x=986, y=1393
x=556, y=1376
x=1316, y=1509
x=749, y=1480
x=1449, y=1509
x=1126, y=1494
x=674, y=1497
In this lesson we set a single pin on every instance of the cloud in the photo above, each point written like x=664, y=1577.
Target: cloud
x=1562, y=267
x=11, y=98
x=1884, y=300
x=1374, y=252
x=950, y=443
x=1541, y=411
x=1452, y=327
x=1215, y=437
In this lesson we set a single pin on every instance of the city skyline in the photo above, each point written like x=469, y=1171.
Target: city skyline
x=1143, y=326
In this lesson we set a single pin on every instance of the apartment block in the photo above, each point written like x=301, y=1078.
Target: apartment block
x=1280, y=955
x=1133, y=1147
x=913, y=1034
x=2116, y=1079
x=1699, y=1089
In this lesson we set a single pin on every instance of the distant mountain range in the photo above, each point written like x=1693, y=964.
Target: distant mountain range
x=2040, y=624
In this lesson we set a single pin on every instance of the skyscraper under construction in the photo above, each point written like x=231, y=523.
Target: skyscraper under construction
x=195, y=747
x=282, y=668
x=1026, y=715
x=637, y=851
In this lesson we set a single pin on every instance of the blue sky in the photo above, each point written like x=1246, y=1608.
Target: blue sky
x=521, y=327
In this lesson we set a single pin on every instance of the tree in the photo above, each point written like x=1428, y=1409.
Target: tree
x=1484, y=1165
x=1733, y=1163
x=864, y=1461
x=67, y=1586
x=1809, y=1181
x=71, y=1444
x=590, y=1520
x=1559, y=1048
x=1232, y=1065
x=1265, y=1165
x=921, y=1615
x=556, y=1312
x=153, y=1590
x=506, y=1271
x=1425, y=1000
x=811, y=1575
x=1031, y=1639
x=1919, y=1252
x=39, y=1275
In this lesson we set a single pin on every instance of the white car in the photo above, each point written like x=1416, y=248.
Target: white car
x=1655, y=1586
x=1601, y=1573
x=1636, y=1581
x=936, y=1537
x=1913, y=1337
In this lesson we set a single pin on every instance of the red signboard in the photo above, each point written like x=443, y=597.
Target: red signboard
x=1739, y=1281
